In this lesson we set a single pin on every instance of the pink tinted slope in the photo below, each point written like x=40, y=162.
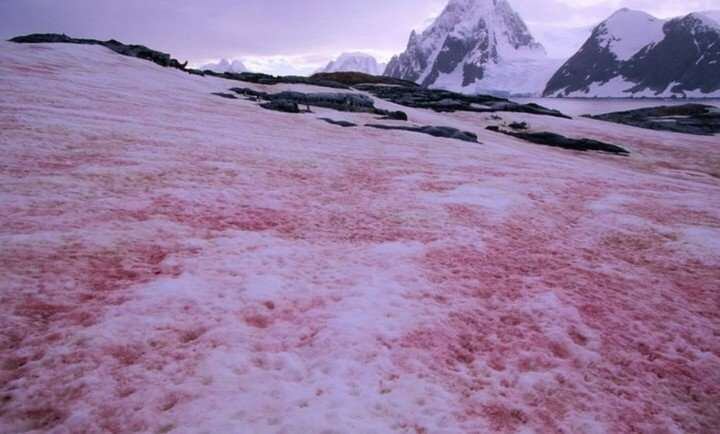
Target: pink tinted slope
x=173, y=262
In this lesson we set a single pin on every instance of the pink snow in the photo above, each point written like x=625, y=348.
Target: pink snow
x=174, y=262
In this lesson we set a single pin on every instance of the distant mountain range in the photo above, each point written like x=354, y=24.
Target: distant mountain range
x=225, y=65
x=633, y=54
x=484, y=47
x=355, y=62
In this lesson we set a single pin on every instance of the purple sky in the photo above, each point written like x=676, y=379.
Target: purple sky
x=285, y=36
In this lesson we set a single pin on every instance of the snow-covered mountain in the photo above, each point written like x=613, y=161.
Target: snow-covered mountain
x=633, y=54
x=475, y=46
x=355, y=62
x=225, y=65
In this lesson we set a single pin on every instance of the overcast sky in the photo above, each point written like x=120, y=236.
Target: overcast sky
x=297, y=36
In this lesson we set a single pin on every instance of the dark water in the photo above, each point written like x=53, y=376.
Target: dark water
x=578, y=106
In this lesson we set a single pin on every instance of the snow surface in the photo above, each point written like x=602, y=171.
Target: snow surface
x=175, y=262
x=628, y=31
x=355, y=62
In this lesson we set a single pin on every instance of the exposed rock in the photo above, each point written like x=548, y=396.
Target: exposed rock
x=348, y=102
x=258, y=78
x=225, y=95
x=280, y=105
x=445, y=132
x=558, y=141
x=355, y=78
x=698, y=119
x=245, y=91
x=344, y=124
x=446, y=101
x=518, y=125
x=139, y=51
x=393, y=115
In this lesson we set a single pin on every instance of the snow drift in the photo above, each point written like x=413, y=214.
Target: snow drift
x=175, y=262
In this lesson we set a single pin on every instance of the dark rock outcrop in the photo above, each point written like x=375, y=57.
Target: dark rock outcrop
x=224, y=95
x=559, y=141
x=698, y=119
x=139, y=51
x=355, y=78
x=347, y=102
x=518, y=125
x=395, y=116
x=344, y=124
x=281, y=106
x=445, y=132
x=446, y=101
x=257, y=78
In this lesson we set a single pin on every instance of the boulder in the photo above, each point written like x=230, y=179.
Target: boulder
x=280, y=105
x=559, y=141
x=445, y=132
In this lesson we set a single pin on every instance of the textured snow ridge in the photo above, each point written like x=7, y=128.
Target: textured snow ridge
x=355, y=62
x=175, y=262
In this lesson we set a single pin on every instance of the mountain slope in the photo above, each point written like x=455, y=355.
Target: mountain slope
x=474, y=45
x=355, y=62
x=635, y=54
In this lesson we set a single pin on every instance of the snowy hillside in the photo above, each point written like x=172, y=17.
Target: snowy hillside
x=635, y=54
x=473, y=46
x=225, y=65
x=178, y=261
x=355, y=62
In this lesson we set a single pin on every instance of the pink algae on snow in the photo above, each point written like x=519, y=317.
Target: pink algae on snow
x=218, y=268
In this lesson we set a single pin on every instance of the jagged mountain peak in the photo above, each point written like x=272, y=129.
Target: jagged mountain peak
x=465, y=45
